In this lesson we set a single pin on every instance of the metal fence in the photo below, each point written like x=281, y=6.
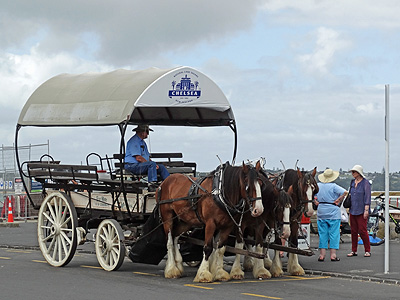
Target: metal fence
x=11, y=187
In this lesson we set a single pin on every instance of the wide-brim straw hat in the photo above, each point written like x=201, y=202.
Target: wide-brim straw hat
x=358, y=169
x=142, y=128
x=328, y=176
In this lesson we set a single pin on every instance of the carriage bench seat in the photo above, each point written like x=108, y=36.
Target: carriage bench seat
x=57, y=172
x=166, y=158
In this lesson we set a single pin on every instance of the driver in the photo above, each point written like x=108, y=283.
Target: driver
x=137, y=157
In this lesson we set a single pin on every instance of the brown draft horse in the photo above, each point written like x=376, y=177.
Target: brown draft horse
x=304, y=188
x=275, y=217
x=218, y=208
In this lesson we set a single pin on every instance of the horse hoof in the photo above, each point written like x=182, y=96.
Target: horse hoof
x=263, y=275
x=222, y=276
x=276, y=275
x=298, y=274
x=204, y=277
x=172, y=273
x=237, y=277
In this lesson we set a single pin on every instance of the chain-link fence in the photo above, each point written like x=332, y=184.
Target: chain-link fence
x=11, y=186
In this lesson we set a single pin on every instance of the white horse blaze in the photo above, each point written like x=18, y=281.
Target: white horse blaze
x=258, y=208
x=310, y=210
x=286, y=222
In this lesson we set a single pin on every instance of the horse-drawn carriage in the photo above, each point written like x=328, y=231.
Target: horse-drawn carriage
x=79, y=198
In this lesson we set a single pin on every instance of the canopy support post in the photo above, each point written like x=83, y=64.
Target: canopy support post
x=122, y=128
x=232, y=125
x=21, y=172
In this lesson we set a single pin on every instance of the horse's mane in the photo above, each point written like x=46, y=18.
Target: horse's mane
x=291, y=178
x=284, y=198
x=233, y=177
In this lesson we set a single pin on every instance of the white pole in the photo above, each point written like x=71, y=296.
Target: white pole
x=387, y=199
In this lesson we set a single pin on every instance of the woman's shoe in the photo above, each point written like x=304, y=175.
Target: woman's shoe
x=352, y=254
x=335, y=259
x=321, y=258
x=367, y=254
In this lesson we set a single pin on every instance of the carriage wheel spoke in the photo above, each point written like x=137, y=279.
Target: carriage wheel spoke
x=64, y=215
x=66, y=237
x=59, y=240
x=64, y=240
x=67, y=221
x=48, y=217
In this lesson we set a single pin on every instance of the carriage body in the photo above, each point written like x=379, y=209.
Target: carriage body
x=79, y=198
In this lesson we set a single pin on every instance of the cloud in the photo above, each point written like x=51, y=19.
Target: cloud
x=328, y=43
x=123, y=31
x=305, y=79
x=356, y=13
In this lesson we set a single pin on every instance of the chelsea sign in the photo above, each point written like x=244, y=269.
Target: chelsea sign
x=184, y=87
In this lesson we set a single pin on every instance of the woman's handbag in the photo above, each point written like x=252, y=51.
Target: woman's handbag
x=347, y=200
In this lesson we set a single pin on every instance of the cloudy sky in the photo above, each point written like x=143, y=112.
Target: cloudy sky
x=306, y=79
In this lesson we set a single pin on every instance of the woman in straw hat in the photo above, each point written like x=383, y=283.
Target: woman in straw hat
x=329, y=198
x=360, y=190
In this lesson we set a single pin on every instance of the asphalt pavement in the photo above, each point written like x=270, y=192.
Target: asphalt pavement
x=24, y=235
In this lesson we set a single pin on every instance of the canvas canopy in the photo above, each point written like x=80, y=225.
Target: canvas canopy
x=179, y=96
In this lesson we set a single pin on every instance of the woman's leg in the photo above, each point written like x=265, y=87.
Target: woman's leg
x=362, y=227
x=354, y=233
x=334, y=237
x=334, y=234
x=323, y=234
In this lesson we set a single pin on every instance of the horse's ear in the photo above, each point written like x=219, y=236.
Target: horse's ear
x=245, y=167
x=314, y=172
x=275, y=181
x=258, y=166
x=299, y=174
x=290, y=191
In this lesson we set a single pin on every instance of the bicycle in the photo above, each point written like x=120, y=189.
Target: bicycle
x=377, y=216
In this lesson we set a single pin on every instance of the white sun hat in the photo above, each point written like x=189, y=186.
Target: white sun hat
x=328, y=176
x=358, y=169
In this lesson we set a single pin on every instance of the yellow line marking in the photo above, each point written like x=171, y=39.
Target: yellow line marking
x=147, y=274
x=40, y=261
x=287, y=278
x=260, y=296
x=199, y=287
x=91, y=267
x=19, y=251
x=2, y=257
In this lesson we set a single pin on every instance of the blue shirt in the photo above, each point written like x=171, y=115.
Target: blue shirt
x=327, y=194
x=136, y=146
x=360, y=196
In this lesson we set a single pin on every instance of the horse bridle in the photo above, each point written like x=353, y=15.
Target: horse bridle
x=300, y=209
x=280, y=224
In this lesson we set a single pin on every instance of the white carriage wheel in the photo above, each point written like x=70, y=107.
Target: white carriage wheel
x=109, y=245
x=57, y=221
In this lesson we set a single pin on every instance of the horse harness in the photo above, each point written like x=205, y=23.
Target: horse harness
x=300, y=209
x=217, y=193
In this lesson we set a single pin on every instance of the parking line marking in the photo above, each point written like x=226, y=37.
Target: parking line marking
x=91, y=267
x=40, y=261
x=147, y=274
x=19, y=251
x=199, y=286
x=260, y=296
x=2, y=257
